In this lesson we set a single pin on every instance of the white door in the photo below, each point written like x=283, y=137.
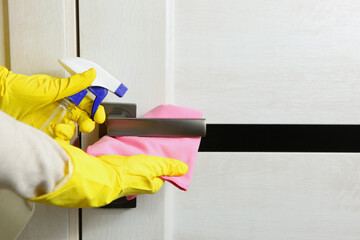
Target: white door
x=240, y=62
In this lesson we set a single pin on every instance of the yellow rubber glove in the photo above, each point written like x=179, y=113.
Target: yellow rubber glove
x=32, y=99
x=97, y=181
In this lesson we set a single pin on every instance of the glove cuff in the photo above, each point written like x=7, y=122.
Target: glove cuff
x=92, y=184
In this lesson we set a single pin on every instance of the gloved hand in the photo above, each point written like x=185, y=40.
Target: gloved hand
x=32, y=99
x=97, y=181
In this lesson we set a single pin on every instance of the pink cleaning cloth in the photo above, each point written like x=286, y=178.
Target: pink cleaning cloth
x=181, y=148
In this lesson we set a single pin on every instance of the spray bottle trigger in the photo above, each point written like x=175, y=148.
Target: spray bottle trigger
x=78, y=97
x=100, y=94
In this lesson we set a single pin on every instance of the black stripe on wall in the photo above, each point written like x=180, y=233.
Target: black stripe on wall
x=280, y=138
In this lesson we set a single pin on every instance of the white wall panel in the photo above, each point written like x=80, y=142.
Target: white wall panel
x=269, y=61
x=37, y=36
x=4, y=34
x=270, y=196
x=41, y=32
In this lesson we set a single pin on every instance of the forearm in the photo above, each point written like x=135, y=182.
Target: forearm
x=31, y=163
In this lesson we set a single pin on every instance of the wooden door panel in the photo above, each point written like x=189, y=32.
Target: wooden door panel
x=270, y=196
x=268, y=62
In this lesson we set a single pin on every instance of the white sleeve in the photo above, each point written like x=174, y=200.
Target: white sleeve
x=31, y=162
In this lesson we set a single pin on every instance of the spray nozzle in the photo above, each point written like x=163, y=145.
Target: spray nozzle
x=102, y=83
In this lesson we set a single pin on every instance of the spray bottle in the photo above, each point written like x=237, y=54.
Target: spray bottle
x=100, y=87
